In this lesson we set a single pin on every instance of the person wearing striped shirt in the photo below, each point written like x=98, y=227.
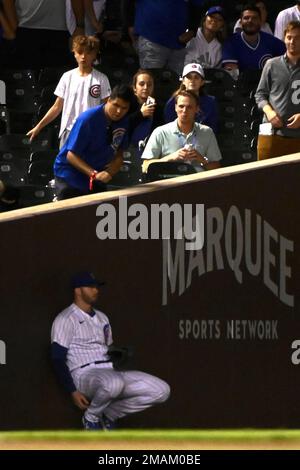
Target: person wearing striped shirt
x=80, y=339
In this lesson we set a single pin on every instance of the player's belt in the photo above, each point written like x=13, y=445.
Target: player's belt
x=95, y=362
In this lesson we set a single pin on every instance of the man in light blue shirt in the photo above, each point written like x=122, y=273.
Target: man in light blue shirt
x=184, y=139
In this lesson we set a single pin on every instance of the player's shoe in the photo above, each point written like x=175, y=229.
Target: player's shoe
x=107, y=424
x=91, y=425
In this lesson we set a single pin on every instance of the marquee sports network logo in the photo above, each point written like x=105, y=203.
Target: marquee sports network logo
x=199, y=241
x=239, y=240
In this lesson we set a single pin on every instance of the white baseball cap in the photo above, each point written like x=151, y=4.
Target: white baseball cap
x=193, y=68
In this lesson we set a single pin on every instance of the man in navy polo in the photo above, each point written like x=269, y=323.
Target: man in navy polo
x=93, y=152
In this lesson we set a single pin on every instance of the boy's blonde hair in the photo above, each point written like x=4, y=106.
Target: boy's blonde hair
x=89, y=43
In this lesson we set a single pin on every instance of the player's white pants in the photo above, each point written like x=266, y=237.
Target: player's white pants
x=118, y=393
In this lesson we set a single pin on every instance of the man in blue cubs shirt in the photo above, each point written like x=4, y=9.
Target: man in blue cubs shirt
x=250, y=48
x=93, y=152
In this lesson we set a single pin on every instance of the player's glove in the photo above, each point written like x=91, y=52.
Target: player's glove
x=119, y=355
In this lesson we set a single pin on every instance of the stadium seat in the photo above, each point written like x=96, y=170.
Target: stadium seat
x=14, y=141
x=228, y=110
x=2, y=93
x=39, y=155
x=220, y=84
x=32, y=195
x=15, y=154
x=248, y=81
x=164, y=170
x=14, y=172
x=19, y=78
x=50, y=75
x=42, y=110
x=9, y=142
x=126, y=176
x=165, y=83
x=117, y=74
x=4, y=120
x=40, y=172
x=47, y=94
x=22, y=99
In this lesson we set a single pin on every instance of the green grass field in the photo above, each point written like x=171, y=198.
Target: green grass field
x=153, y=439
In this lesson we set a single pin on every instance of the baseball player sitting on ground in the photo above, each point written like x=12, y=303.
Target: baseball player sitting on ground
x=80, y=337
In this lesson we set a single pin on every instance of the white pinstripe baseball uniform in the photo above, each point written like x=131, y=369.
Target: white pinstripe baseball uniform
x=115, y=393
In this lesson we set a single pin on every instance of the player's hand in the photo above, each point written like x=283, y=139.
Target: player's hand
x=103, y=176
x=80, y=400
x=294, y=121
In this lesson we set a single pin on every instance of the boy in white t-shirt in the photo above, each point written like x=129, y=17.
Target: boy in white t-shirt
x=78, y=89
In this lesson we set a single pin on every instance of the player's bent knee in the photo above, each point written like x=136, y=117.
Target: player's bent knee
x=161, y=392
x=166, y=392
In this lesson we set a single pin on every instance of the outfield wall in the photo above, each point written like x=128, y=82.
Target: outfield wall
x=220, y=324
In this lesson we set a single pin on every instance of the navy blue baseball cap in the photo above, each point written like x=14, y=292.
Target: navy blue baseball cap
x=85, y=279
x=216, y=9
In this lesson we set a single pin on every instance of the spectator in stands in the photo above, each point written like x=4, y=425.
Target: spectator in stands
x=6, y=28
x=113, y=26
x=265, y=27
x=42, y=38
x=9, y=197
x=251, y=48
x=93, y=152
x=206, y=47
x=7, y=37
x=278, y=96
x=163, y=29
x=193, y=78
x=146, y=114
x=284, y=17
x=184, y=139
x=78, y=89
x=92, y=21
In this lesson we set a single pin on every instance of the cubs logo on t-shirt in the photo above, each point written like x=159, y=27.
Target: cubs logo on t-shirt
x=263, y=60
x=95, y=91
x=117, y=138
